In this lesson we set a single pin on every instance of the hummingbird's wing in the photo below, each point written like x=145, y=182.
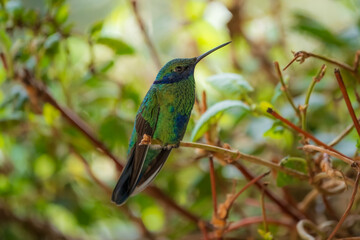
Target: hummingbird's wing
x=145, y=123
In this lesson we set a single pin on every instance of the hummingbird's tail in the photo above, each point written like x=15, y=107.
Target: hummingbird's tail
x=123, y=188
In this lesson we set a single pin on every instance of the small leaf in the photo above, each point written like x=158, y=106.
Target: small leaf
x=265, y=235
x=230, y=83
x=213, y=113
x=298, y=164
x=117, y=45
x=51, y=44
x=62, y=14
x=96, y=28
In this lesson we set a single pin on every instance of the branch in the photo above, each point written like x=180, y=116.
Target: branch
x=146, y=36
x=257, y=220
x=286, y=90
x=299, y=130
x=347, y=99
x=301, y=56
x=330, y=152
x=351, y=202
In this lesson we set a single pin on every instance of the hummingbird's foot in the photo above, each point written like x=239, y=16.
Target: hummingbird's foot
x=146, y=140
x=170, y=146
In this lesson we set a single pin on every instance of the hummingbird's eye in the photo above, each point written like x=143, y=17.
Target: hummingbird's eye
x=179, y=69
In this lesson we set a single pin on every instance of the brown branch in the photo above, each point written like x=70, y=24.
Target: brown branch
x=330, y=152
x=341, y=136
x=347, y=99
x=351, y=202
x=301, y=56
x=286, y=89
x=146, y=36
x=263, y=210
x=213, y=183
x=299, y=130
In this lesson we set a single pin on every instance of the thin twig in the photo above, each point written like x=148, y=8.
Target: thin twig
x=299, y=130
x=328, y=151
x=342, y=219
x=347, y=99
x=263, y=210
x=341, y=136
x=315, y=80
x=146, y=36
x=302, y=55
x=286, y=89
x=213, y=183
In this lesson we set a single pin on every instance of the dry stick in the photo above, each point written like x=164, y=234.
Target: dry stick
x=299, y=130
x=286, y=89
x=315, y=80
x=146, y=233
x=347, y=99
x=263, y=210
x=77, y=122
x=330, y=152
x=343, y=134
x=302, y=55
x=342, y=219
x=146, y=36
x=213, y=184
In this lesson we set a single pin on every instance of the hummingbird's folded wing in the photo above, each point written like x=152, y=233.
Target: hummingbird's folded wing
x=145, y=123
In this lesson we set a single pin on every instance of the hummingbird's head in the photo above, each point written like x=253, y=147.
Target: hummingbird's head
x=181, y=68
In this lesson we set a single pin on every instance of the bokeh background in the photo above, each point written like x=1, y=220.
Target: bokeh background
x=94, y=59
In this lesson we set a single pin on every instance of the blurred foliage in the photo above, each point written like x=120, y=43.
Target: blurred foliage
x=92, y=58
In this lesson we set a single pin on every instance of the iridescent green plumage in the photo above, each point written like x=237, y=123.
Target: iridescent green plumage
x=163, y=115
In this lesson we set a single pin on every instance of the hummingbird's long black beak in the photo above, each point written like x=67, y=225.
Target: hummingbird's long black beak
x=210, y=51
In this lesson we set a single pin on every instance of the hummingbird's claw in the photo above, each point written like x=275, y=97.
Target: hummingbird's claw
x=146, y=140
x=170, y=146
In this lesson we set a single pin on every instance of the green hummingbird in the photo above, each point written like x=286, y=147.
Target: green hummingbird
x=163, y=115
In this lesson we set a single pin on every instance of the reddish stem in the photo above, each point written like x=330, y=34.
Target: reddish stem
x=347, y=99
x=213, y=184
x=299, y=130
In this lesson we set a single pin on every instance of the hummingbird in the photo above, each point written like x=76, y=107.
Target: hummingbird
x=163, y=116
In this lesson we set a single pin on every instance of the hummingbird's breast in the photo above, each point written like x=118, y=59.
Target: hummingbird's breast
x=176, y=103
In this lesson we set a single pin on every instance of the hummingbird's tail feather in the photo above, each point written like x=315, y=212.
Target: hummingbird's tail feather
x=130, y=175
x=148, y=174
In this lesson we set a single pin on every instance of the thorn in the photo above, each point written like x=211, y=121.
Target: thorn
x=269, y=110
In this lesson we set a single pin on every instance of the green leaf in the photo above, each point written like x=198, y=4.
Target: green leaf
x=5, y=39
x=117, y=45
x=96, y=28
x=265, y=235
x=316, y=29
x=50, y=114
x=230, y=83
x=62, y=14
x=298, y=164
x=213, y=114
